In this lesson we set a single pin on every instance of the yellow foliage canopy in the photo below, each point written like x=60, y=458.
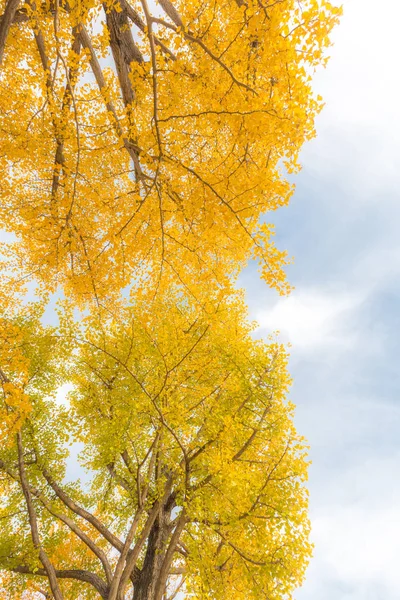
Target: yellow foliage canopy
x=141, y=145
x=144, y=142
x=193, y=455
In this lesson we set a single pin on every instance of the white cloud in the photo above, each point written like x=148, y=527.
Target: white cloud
x=357, y=544
x=351, y=416
x=312, y=318
x=359, y=128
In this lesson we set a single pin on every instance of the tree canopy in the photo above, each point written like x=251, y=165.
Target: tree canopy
x=197, y=471
x=141, y=146
x=144, y=141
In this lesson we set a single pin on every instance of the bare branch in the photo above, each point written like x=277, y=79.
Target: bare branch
x=137, y=20
x=68, y=98
x=154, y=68
x=118, y=478
x=78, y=574
x=5, y=24
x=130, y=146
x=171, y=11
x=241, y=113
x=119, y=569
x=165, y=568
x=177, y=589
x=44, y=559
x=64, y=519
x=124, y=49
x=78, y=510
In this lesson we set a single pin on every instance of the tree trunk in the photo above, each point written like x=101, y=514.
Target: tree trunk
x=146, y=585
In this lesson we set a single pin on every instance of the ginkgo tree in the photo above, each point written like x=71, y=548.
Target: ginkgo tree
x=196, y=471
x=143, y=140
x=141, y=144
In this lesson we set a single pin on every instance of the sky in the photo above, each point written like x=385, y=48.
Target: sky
x=343, y=319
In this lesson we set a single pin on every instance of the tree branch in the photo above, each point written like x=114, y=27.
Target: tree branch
x=119, y=569
x=131, y=147
x=119, y=479
x=171, y=11
x=252, y=436
x=134, y=554
x=190, y=37
x=64, y=519
x=165, y=568
x=72, y=505
x=78, y=574
x=154, y=68
x=67, y=99
x=5, y=24
x=44, y=559
x=135, y=17
x=124, y=49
